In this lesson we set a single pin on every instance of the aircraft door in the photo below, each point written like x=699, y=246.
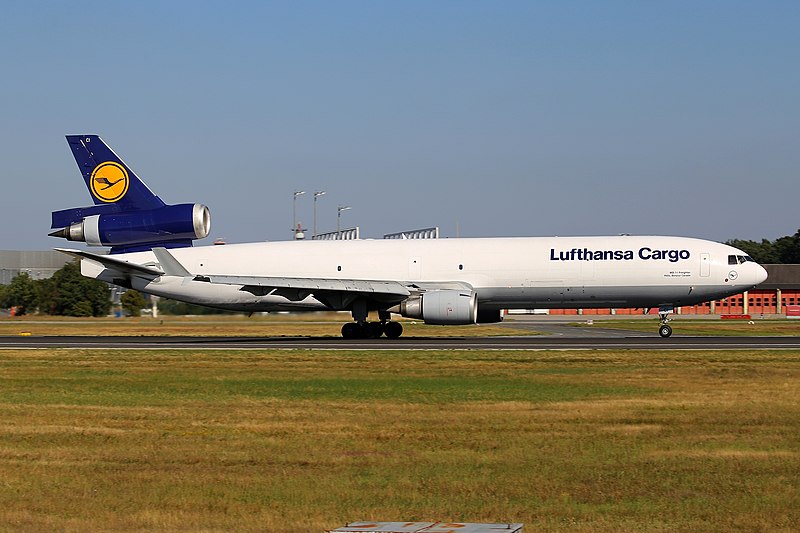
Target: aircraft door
x=705, y=265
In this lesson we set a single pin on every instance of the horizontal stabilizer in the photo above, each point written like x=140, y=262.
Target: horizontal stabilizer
x=125, y=267
x=66, y=217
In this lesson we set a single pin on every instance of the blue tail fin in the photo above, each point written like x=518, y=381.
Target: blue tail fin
x=108, y=178
x=126, y=215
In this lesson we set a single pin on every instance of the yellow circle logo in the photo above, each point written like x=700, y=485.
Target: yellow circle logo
x=109, y=181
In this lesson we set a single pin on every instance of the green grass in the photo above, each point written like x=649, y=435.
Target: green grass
x=130, y=385
x=124, y=391
x=285, y=441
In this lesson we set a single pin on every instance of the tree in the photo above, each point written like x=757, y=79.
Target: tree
x=21, y=293
x=763, y=252
x=46, y=294
x=788, y=248
x=69, y=293
x=132, y=302
x=784, y=250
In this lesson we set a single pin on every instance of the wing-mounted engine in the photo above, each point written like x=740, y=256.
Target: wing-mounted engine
x=169, y=226
x=443, y=307
x=447, y=307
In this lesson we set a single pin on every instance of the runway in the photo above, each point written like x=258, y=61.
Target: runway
x=409, y=343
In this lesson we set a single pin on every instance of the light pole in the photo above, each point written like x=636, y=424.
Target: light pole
x=294, y=212
x=339, y=210
x=317, y=194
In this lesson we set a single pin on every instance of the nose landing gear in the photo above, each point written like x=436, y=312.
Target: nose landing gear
x=665, y=330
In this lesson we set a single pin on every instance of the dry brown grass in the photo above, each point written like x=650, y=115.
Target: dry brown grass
x=307, y=324
x=291, y=441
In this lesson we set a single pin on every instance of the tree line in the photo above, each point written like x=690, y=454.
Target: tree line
x=784, y=250
x=68, y=293
x=65, y=293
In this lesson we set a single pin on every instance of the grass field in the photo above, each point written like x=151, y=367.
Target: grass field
x=294, y=441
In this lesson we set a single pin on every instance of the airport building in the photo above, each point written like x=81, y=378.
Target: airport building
x=37, y=264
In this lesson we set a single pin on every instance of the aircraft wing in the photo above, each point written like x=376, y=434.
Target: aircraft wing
x=109, y=261
x=334, y=292
x=329, y=290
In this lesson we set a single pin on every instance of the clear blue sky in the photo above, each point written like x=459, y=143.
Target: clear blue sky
x=504, y=118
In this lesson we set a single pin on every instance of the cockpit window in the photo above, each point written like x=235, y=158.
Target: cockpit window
x=739, y=259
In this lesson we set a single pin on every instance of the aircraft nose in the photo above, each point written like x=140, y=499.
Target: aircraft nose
x=760, y=274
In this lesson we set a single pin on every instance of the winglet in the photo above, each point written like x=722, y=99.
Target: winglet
x=169, y=264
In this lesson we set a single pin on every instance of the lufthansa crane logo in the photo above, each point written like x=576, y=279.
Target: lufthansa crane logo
x=109, y=182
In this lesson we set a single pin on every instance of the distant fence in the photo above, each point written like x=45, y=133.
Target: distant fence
x=425, y=233
x=349, y=234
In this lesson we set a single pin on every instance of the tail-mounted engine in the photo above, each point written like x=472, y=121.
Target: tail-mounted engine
x=169, y=226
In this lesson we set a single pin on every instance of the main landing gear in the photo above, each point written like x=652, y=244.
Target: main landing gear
x=361, y=329
x=372, y=330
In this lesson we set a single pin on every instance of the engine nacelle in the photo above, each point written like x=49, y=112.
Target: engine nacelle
x=163, y=225
x=445, y=307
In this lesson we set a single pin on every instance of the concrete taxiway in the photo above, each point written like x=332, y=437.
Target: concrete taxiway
x=641, y=342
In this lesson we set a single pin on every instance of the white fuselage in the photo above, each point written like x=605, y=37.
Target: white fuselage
x=505, y=273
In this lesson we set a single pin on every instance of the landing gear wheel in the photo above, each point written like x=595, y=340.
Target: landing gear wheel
x=350, y=330
x=665, y=330
x=393, y=329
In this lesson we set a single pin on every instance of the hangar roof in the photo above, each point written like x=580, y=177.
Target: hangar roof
x=782, y=277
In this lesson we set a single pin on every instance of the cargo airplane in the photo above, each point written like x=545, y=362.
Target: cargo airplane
x=438, y=281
